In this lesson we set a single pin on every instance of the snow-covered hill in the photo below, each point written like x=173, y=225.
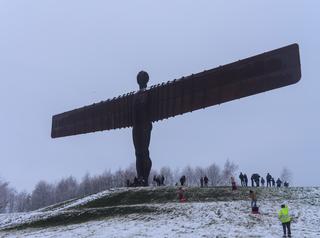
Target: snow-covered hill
x=155, y=212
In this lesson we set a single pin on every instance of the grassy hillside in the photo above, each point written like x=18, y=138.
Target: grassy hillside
x=126, y=201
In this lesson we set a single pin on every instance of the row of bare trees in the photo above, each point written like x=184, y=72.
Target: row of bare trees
x=45, y=193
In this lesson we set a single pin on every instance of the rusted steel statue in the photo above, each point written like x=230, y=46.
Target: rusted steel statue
x=267, y=71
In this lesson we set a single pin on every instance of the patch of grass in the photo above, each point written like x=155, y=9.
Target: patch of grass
x=166, y=195
x=79, y=216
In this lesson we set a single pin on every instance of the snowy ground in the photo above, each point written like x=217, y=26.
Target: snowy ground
x=191, y=219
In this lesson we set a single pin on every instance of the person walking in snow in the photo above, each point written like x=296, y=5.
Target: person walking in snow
x=285, y=219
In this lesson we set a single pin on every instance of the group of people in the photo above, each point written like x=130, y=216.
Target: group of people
x=158, y=180
x=256, y=179
x=283, y=214
x=137, y=182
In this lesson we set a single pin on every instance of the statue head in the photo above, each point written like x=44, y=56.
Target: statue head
x=142, y=79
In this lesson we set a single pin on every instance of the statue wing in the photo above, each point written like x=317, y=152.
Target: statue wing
x=106, y=115
x=257, y=74
x=246, y=77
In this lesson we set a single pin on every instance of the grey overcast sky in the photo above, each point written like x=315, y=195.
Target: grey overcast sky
x=60, y=55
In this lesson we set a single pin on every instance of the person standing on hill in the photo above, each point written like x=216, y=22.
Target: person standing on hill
x=273, y=182
x=241, y=179
x=253, y=197
x=285, y=219
x=245, y=178
x=279, y=182
x=181, y=195
x=255, y=178
x=268, y=178
x=252, y=181
x=262, y=181
x=182, y=180
x=201, y=182
x=205, y=179
x=233, y=183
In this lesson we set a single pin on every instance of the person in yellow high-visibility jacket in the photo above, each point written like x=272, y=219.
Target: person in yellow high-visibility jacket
x=285, y=219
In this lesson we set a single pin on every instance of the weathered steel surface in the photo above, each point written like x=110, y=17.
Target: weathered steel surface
x=267, y=71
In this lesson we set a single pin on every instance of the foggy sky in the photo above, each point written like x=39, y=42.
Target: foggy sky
x=60, y=55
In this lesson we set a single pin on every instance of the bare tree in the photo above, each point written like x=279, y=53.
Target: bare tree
x=198, y=173
x=42, y=195
x=228, y=171
x=167, y=174
x=22, y=202
x=4, y=196
x=66, y=189
x=85, y=187
x=286, y=175
x=190, y=175
x=214, y=174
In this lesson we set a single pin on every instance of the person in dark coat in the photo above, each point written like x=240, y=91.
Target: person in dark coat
x=252, y=181
x=255, y=178
x=206, y=180
x=279, y=182
x=268, y=178
x=241, y=179
x=135, y=182
x=162, y=180
x=286, y=184
x=273, y=182
x=182, y=180
x=245, y=178
x=262, y=181
x=201, y=182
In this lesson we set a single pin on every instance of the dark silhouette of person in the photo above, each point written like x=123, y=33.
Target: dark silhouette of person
x=206, y=180
x=141, y=130
x=252, y=180
x=241, y=179
x=255, y=178
x=201, y=182
x=279, y=182
x=269, y=179
x=273, y=182
x=286, y=184
x=162, y=180
x=135, y=181
x=182, y=180
x=157, y=180
x=245, y=178
x=262, y=181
